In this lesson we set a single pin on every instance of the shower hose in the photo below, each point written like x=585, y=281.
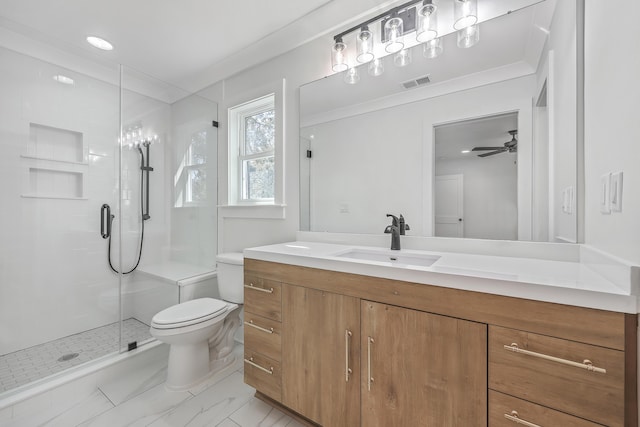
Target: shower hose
x=144, y=218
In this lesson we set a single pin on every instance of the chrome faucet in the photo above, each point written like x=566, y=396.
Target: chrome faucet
x=394, y=229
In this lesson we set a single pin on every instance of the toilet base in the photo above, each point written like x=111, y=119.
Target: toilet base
x=205, y=359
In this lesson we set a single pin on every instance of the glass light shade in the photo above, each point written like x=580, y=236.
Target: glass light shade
x=364, y=46
x=376, y=68
x=402, y=58
x=338, y=59
x=469, y=36
x=427, y=28
x=351, y=76
x=433, y=48
x=393, y=30
x=465, y=13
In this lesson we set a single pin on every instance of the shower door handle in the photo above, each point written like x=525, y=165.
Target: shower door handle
x=105, y=221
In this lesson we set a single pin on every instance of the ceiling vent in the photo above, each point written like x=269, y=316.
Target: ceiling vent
x=409, y=84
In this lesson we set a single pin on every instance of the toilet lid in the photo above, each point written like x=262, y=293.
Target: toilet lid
x=189, y=313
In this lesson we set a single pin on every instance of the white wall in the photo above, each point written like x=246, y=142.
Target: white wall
x=490, y=195
x=40, y=236
x=612, y=125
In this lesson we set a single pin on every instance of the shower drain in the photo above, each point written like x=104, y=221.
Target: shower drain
x=67, y=357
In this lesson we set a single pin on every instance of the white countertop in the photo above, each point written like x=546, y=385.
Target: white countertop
x=562, y=282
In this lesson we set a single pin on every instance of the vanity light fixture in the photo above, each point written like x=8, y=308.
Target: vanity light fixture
x=99, y=42
x=465, y=151
x=391, y=32
x=465, y=13
x=402, y=58
x=468, y=37
x=376, y=68
x=352, y=77
x=432, y=48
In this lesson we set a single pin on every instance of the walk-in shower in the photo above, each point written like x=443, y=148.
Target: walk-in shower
x=68, y=178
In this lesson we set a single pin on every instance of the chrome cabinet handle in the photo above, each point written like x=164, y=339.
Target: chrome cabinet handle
x=369, y=377
x=252, y=363
x=347, y=369
x=586, y=364
x=516, y=419
x=255, y=288
x=260, y=328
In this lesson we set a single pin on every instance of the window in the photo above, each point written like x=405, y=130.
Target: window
x=195, y=168
x=190, y=180
x=253, y=137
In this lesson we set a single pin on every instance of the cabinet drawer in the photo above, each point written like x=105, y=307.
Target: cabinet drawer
x=262, y=334
x=546, y=375
x=263, y=374
x=502, y=408
x=263, y=297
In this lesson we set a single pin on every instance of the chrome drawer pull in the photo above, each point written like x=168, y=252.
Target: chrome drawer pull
x=347, y=369
x=584, y=365
x=252, y=363
x=516, y=419
x=260, y=328
x=255, y=288
x=369, y=377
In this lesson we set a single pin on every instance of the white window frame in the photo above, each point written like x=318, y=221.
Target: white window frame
x=231, y=207
x=237, y=117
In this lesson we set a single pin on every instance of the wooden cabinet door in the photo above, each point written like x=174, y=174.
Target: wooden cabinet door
x=320, y=341
x=421, y=369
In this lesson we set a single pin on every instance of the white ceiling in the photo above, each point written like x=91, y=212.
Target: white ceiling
x=187, y=43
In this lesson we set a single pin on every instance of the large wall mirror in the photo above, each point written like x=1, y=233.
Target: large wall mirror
x=477, y=142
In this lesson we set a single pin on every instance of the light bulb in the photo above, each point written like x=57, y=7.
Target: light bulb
x=365, y=45
x=393, y=30
x=427, y=28
x=338, y=60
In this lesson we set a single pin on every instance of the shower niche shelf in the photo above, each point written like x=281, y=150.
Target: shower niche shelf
x=55, y=163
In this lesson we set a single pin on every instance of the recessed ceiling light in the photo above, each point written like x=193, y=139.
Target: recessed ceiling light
x=465, y=151
x=99, y=43
x=63, y=79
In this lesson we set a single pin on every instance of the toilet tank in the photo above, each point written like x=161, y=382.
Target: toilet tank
x=231, y=276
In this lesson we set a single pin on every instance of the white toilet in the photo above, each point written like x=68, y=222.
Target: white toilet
x=200, y=331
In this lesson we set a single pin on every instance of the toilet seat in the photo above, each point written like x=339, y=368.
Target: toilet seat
x=189, y=313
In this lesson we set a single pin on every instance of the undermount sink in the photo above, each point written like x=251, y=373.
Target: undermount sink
x=392, y=257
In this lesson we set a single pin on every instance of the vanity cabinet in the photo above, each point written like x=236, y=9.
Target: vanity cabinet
x=422, y=369
x=321, y=375
x=262, y=326
x=368, y=351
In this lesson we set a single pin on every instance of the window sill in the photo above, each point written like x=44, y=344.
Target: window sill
x=253, y=211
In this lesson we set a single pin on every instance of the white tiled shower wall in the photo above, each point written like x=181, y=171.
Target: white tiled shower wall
x=54, y=277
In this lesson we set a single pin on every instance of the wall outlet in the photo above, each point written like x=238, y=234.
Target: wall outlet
x=615, y=192
x=605, y=193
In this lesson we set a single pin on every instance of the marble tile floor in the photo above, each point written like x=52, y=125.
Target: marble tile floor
x=141, y=400
x=40, y=361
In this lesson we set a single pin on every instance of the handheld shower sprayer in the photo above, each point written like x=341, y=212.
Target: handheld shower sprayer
x=106, y=218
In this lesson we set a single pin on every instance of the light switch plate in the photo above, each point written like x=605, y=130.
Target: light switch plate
x=605, y=191
x=615, y=192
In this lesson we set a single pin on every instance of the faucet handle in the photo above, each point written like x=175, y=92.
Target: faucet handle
x=387, y=229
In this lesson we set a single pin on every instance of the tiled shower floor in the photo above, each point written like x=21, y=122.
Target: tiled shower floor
x=33, y=363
